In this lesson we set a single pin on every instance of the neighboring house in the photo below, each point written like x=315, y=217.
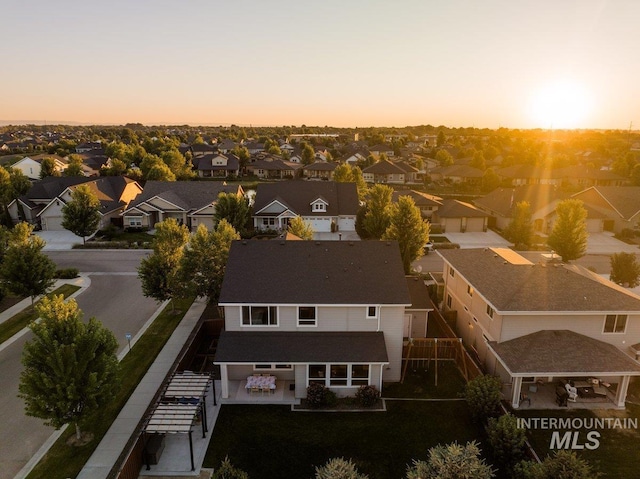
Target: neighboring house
x=41, y=193
x=31, y=166
x=217, y=165
x=113, y=192
x=355, y=157
x=619, y=207
x=457, y=174
x=541, y=322
x=292, y=309
x=274, y=169
x=254, y=147
x=88, y=146
x=456, y=216
x=428, y=204
x=384, y=171
x=416, y=316
x=378, y=150
x=325, y=205
x=189, y=202
x=571, y=175
x=319, y=170
x=410, y=172
x=201, y=149
x=501, y=202
x=227, y=146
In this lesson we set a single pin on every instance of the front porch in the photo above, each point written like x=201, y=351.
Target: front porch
x=239, y=394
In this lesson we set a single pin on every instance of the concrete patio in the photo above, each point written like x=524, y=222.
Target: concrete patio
x=543, y=396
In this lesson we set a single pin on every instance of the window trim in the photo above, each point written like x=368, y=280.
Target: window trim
x=308, y=322
x=326, y=379
x=273, y=367
x=376, y=312
x=270, y=308
x=616, y=318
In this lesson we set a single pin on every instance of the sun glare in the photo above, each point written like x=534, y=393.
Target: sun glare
x=561, y=105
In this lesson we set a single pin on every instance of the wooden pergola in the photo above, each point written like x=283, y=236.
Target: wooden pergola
x=182, y=402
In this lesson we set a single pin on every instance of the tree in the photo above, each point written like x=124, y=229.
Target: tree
x=204, y=259
x=233, y=208
x=308, y=154
x=159, y=271
x=160, y=172
x=229, y=471
x=483, y=395
x=377, y=218
x=478, y=161
x=71, y=368
x=569, y=234
x=25, y=270
x=563, y=464
x=441, y=139
x=74, y=168
x=48, y=168
x=625, y=270
x=490, y=180
x=444, y=158
x=520, y=229
x=298, y=227
x=345, y=173
x=82, y=215
x=339, y=468
x=407, y=227
x=451, y=461
x=506, y=441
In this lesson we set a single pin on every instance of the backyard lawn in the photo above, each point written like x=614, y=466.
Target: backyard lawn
x=419, y=383
x=617, y=455
x=274, y=442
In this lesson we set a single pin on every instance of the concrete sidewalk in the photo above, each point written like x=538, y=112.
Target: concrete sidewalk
x=114, y=442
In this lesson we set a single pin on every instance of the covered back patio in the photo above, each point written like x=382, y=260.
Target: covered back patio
x=546, y=361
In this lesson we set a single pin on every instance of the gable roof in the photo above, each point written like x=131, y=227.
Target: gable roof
x=188, y=195
x=419, y=198
x=562, y=351
x=384, y=167
x=321, y=166
x=52, y=186
x=320, y=272
x=342, y=198
x=503, y=200
x=457, y=209
x=464, y=171
x=624, y=199
x=515, y=286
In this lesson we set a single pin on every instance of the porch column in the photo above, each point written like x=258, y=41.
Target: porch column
x=516, y=385
x=224, y=381
x=621, y=393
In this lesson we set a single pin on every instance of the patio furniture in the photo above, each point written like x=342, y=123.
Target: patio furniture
x=259, y=382
x=525, y=398
x=572, y=391
x=254, y=390
x=561, y=396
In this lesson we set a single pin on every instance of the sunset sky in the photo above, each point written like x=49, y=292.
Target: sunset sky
x=489, y=63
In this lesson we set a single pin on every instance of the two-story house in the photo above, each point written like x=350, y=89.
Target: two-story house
x=308, y=311
x=540, y=322
x=326, y=206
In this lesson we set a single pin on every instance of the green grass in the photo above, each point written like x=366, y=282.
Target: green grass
x=21, y=320
x=273, y=442
x=62, y=460
x=420, y=383
x=616, y=457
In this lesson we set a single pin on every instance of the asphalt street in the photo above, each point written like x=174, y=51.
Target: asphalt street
x=115, y=298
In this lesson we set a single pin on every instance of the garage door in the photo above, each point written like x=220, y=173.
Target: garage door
x=320, y=225
x=475, y=225
x=347, y=224
x=594, y=225
x=452, y=225
x=52, y=223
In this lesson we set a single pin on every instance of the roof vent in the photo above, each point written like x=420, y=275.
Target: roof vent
x=244, y=242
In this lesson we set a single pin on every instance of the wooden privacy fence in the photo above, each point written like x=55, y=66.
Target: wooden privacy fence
x=419, y=352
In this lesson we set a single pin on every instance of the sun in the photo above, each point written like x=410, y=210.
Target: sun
x=563, y=104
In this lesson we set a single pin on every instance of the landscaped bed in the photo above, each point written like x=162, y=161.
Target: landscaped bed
x=271, y=442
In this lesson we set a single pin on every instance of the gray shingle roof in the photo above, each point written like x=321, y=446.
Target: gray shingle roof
x=384, y=167
x=301, y=347
x=189, y=195
x=52, y=186
x=342, y=198
x=562, y=351
x=419, y=198
x=320, y=272
x=503, y=200
x=625, y=199
x=419, y=293
x=535, y=287
x=464, y=171
x=457, y=209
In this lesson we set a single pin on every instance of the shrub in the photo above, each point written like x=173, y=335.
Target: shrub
x=317, y=395
x=564, y=464
x=507, y=441
x=483, y=397
x=67, y=273
x=228, y=471
x=451, y=461
x=339, y=468
x=367, y=396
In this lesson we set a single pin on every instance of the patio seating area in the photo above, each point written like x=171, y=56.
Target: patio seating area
x=282, y=394
x=544, y=396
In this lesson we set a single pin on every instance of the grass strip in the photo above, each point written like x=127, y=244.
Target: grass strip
x=63, y=460
x=21, y=320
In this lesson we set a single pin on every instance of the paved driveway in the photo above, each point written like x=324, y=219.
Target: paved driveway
x=59, y=240
x=490, y=239
x=605, y=243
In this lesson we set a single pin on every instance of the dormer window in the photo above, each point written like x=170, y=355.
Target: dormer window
x=319, y=207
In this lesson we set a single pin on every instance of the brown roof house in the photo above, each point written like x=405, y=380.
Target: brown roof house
x=619, y=206
x=539, y=325
x=323, y=316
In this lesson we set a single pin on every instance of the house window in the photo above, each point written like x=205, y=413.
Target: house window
x=449, y=300
x=272, y=367
x=306, y=316
x=319, y=207
x=372, y=312
x=451, y=272
x=470, y=290
x=359, y=374
x=259, y=316
x=489, y=311
x=268, y=221
x=135, y=221
x=339, y=375
x=615, y=323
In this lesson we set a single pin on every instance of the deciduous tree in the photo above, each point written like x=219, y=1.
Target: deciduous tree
x=71, y=367
x=233, y=208
x=506, y=441
x=81, y=215
x=625, y=270
x=308, y=154
x=569, y=234
x=74, y=167
x=377, y=218
x=407, y=227
x=298, y=227
x=48, y=168
x=520, y=229
x=483, y=395
x=444, y=158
